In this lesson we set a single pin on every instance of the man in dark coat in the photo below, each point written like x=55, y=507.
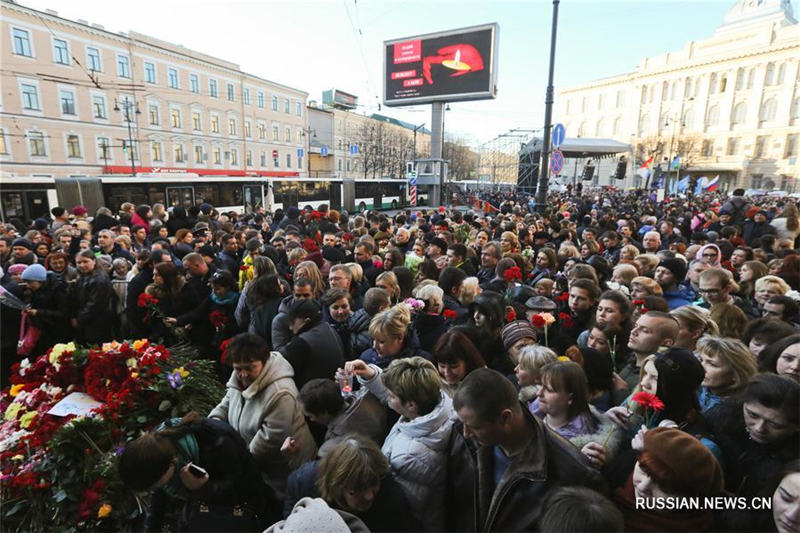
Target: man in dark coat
x=518, y=459
x=315, y=351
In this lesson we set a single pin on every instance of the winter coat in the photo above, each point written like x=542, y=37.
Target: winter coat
x=135, y=313
x=454, y=305
x=360, y=339
x=363, y=413
x=604, y=428
x=261, y=318
x=52, y=313
x=428, y=328
x=136, y=219
x=753, y=231
x=170, y=306
x=281, y=334
x=411, y=348
x=417, y=453
x=515, y=504
x=678, y=297
x=315, y=352
x=93, y=306
x=264, y=414
x=782, y=232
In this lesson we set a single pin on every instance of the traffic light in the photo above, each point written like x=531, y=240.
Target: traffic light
x=588, y=170
x=622, y=165
x=124, y=145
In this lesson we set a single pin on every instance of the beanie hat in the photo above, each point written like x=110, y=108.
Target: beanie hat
x=22, y=241
x=515, y=331
x=333, y=254
x=34, y=272
x=311, y=514
x=40, y=224
x=676, y=266
x=79, y=211
x=691, y=466
x=17, y=268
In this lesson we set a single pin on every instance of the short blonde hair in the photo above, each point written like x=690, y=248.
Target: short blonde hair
x=763, y=281
x=534, y=356
x=391, y=323
x=356, y=270
x=414, y=379
x=626, y=271
x=648, y=261
x=696, y=318
x=470, y=288
x=433, y=296
x=735, y=354
x=390, y=279
x=648, y=283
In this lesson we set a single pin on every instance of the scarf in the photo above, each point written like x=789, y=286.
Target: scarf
x=188, y=452
x=228, y=299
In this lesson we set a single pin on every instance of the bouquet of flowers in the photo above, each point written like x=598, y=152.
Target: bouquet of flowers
x=543, y=321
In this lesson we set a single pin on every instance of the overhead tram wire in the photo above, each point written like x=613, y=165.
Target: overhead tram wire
x=91, y=75
x=358, y=35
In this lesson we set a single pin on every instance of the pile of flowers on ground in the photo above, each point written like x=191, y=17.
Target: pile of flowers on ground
x=59, y=472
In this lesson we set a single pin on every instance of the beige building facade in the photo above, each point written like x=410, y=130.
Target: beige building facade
x=728, y=105
x=78, y=100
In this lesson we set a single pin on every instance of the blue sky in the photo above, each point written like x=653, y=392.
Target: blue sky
x=322, y=44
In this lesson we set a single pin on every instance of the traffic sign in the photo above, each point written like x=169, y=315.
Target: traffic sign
x=556, y=161
x=559, y=131
x=354, y=149
x=274, y=153
x=300, y=152
x=323, y=151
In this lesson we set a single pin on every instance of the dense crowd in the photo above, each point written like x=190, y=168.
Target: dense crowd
x=575, y=368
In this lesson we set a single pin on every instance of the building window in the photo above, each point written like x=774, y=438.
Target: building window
x=60, y=52
x=22, y=43
x=262, y=131
x=739, y=113
x=791, y=146
x=664, y=92
x=287, y=137
x=733, y=146
x=172, y=77
x=123, y=67
x=768, y=109
x=214, y=124
x=99, y=106
x=178, y=151
x=299, y=162
x=739, y=80
x=286, y=106
x=67, y=99
x=796, y=108
x=156, y=151
x=216, y=155
x=339, y=164
x=231, y=126
x=288, y=160
x=617, y=126
x=30, y=97
x=3, y=145
x=246, y=96
x=723, y=83
x=247, y=132
x=620, y=99
x=712, y=84
x=276, y=162
x=149, y=73
x=234, y=156
x=688, y=118
x=194, y=83
x=198, y=154
x=249, y=158
x=212, y=88
x=103, y=148
x=712, y=118
x=152, y=113
x=196, y=125
x=708, y=148
x=276, y=134
x=769, y=79
x=93, y=59
x=175, y=118
x=761, y=146
x=781, y=73
x=298, y=109
x=642, y=98
x=583, y=104
x=36, y=142
x=274, y=103
x=231, y=93
x=73, y=147
x=348, y=165
x=260, y=99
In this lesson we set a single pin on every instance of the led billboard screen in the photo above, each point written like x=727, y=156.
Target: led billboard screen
x=447, y=66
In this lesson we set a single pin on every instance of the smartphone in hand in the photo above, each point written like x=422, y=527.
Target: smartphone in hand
x=197, y=471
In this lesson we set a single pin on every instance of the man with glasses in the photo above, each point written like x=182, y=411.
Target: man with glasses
x=715, y=287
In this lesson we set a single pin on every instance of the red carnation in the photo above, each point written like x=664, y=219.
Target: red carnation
x=218, y=318
x=511, y=315
x=638, y=302
x=145, y=300
x=566, y=320
x=512, y=274
x=538, y=322
x=223, y=348
x=244, y=267
x=449, y=314
x=648, y=401
x=563, y=297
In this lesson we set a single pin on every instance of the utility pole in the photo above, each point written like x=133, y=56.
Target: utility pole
x=128, y=106
x=544, y=167
x=414, y=158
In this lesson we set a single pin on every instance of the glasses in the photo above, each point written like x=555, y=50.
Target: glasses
x=709, y=292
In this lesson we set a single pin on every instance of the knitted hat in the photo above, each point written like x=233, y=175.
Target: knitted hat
x=22, y=241
x=34, y=272
x=79, y=211
x=691, y=466
x=17, y=268
x=333, y=254
x=515, y=331
x=676, y=266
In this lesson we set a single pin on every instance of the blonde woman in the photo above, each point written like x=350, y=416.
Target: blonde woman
x=392, y=337
x=646, y=263
x=623, y=274
x=470, y=288
x=628, y=254
x=509, y=243
x=728, y=366
x=310, y=271
x=388, y=282
x=642, y=286
x=693, y=322
x=767, y=287
x=531, y=360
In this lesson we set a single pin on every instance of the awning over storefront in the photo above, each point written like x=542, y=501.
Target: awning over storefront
x=586, y=147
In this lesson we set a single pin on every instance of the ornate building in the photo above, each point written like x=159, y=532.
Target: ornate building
x=728, y=105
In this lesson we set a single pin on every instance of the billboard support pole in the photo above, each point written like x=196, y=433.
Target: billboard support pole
x=437, y=115
x=544, y=167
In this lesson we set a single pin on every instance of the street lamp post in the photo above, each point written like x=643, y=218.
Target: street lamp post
x=309, y=132
x=129, y=105
x=544, y=167
x=414, y=158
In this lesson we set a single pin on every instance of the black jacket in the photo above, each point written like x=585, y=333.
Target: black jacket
x=135, y=313
x=314, y=353
x=428, y=329
x=52, y=312
x=93, y=307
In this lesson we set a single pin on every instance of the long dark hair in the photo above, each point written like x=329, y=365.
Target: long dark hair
x=453, y=347
x=173, y=281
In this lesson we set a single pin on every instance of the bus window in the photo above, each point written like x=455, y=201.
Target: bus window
x=207, y=193
x=12, y=205
x=252, y=198
x=156, y=195
x=117, y=194
x=180, y=196
x=230, y=195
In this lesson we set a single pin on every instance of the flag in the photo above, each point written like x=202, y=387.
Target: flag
x=644, y=170
x=701, y=183
x=647, y=163
x=676, y=163
x=712, y=185
x=683, y=185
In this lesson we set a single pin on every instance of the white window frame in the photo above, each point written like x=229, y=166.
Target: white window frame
x=213, y=88
x=247, y=126
x=235, y=125
x=71, y=92
x=211, y=117
x=7, y=151
x=199, y=114
x=274, y=102
x=30, y=42
x=102, y=96
x=230, y=92
x=82, y=155
x=157, y=106
x=180, y=117
x=45, y=143
x=56, y=61
x=216, y=155
x=234, y=160
x=287, y=106
x=276, y=132
x=35, y=83
x=260, y=99
x=287, y=134
x=202, y=154
x=127, y=62
x=155, y=74
x=89, y=60
x=99, y=150
x=261, y=130
x=176, y=79
x=298, y=109
x=246, y=96
x=194, y=83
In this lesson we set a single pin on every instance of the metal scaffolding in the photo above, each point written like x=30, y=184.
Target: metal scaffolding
x=500, y=159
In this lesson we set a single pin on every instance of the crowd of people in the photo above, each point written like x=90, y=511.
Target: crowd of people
x=562, y=369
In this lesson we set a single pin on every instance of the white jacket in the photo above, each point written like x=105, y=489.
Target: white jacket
x=417, y=453
x=264, y=414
